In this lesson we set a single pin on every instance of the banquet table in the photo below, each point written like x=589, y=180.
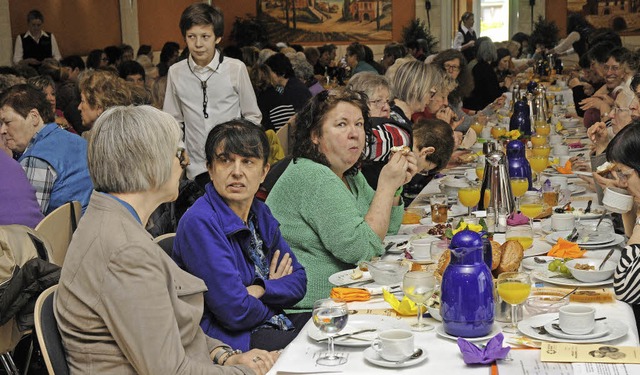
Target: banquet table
x=443, y=354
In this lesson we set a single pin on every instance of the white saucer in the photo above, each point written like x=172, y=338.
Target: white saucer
x=373, y=357
x=616, y=327
x=494, y=331
x=600, y=329
x=343, y=278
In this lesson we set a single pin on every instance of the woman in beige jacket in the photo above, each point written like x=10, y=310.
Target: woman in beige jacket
x=123, y=306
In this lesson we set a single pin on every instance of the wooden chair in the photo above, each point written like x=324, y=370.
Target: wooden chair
x=165, y=241
x=48, y=335
x=58, y=227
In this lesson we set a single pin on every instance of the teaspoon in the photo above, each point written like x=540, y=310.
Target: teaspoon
x=415, y=355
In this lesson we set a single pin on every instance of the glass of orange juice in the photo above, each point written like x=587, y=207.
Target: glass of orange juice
x=542, y=128
x=480, y=170
x=520, y=233
x=498, y=131
x=531, y=205
x=513, y=288
x=542, y=150
x=469, y=196
x=477, y=127
x=519, y=186
x=538, y=140
x=538, y=164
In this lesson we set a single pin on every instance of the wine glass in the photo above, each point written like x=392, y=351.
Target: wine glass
x=469, y=196
x=330, y=316
x=519, y=186
x=513, y=288
x=531, y=205
x=418, y=286
x=538, y=164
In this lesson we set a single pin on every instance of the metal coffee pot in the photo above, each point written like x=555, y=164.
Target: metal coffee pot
x=496, y=180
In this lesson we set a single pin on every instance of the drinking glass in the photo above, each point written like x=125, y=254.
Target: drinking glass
x=498, y=131
x=437, y=248
x=469, y=196
x=519, y=186
x=538, y=164
x=480, y=170
x=439, y=208
x=520, y=233
x=477, y=127
x=418, y=286
x=330, y=316
x=542, y=128
x=513, y=288
x=531, y=205
x=541, y=150
x=538, y=140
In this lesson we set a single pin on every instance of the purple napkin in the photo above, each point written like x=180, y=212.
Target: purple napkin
x=473, y=355
x=517, y=219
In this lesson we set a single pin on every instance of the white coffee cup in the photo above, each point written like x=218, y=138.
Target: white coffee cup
x=470, y=173
x=563, y=159
x=577, y=319
x=617, y=200
x=421, y=248
x=560, y=222
x=394, y=344
x=560, y=150
x=555, y=139
x=561, y=181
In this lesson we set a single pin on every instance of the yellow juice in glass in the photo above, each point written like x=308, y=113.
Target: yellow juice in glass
x=538, y=163
x=498, y=131
x=514, y=293
x=526, y=242
x=480, y=172
x=543, y=150
x=519, y=186
x=477, y=127
x=487, y=198
x=531, y=210
x=538, y=140
x=543, y=128
x=469, y=196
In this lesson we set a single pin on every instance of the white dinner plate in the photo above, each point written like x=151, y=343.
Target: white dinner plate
x=494, y=331
x=553, y=172
x=457, y=210
x=543, y=274
x=530, y=263
x=607, y=240
x=373, y=357
x=402, y=239
x=538, y=248
x=583, y=173
x=617, y=239
x=575, y=189
x=599, y=329
x=344, y=277
x=359, y=322
x=617, y=329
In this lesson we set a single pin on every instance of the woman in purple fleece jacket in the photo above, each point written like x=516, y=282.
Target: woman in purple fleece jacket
x=232, y=242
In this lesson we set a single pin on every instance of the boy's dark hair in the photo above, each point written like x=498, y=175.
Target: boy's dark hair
x=73, y=62
x=35, y=14
x=280, y=65
x=202, y=14
x=438, y=134
x=114, y=54
x=130, y=68
x=240, y=137
x=356, y=49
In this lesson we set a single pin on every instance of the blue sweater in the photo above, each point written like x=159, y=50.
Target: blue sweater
x=212, y=243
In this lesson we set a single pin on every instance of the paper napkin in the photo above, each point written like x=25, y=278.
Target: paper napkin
x=566, y=249
x=350, y=294
x=517, y=219
x=475, y=355
x=404, y=307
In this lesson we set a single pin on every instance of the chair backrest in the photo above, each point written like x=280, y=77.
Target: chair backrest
x=283, y=137
x=166, y=242
x=58, y=227
x=48, y=335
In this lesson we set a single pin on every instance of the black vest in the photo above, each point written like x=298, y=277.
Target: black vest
x=40, y=50
x=469, y=53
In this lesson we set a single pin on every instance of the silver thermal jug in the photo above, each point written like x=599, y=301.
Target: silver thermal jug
x=496, y=179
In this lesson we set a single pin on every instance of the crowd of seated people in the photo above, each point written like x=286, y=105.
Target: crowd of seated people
x=206, y=119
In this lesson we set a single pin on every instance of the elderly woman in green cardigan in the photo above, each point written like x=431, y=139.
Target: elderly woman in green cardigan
x=329, y=215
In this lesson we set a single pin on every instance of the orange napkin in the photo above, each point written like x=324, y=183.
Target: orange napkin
x=350, y=294
x=566, y=249
x=566, y=169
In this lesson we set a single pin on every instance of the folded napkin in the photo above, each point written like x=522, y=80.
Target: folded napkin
x=566, y=249
x=350, y=294
x=404, y=307
x=566, y=169
x=491, y=352
x=576, y=145
x=559, y=127
x=517, y=219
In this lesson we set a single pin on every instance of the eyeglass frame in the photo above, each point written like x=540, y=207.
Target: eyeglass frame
x=452, y=68
x=608, y=68
x=181, y=154
x=624, y=176
x=379, y=103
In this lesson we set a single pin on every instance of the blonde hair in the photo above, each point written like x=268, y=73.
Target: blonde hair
x=414, y=80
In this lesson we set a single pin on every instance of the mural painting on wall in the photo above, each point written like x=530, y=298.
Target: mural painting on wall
x=309, y=21
x=621, y=15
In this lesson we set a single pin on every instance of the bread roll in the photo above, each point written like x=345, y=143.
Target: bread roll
x=404, y=150
x=443, y=262
x=605, y=168
x=496, y=254
x=512, y=253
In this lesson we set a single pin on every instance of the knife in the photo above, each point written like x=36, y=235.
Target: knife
x=389, y=246
x=348, y=335
x=357, y=282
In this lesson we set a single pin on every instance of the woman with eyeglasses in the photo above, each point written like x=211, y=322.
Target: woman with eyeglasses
x=329, y=215
x=231, y=241
x=122, y=304
x=624, y=151
x=454, y=64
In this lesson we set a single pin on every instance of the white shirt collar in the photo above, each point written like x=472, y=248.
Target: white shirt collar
x=464, y=29
x=43, y=33
x=212, y=65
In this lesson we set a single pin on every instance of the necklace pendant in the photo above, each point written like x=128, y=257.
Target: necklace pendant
x=206, y=115
x=203, y=84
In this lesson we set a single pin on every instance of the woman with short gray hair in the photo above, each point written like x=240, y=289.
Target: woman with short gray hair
x=122, y=305
x=486, y=85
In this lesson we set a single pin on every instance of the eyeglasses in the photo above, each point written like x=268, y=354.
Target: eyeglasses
x=380, y=103
x=620, y=110
x=624, y=176
x=181, y=154
x=613, y=68
x=451, y=68
x=433, y=93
